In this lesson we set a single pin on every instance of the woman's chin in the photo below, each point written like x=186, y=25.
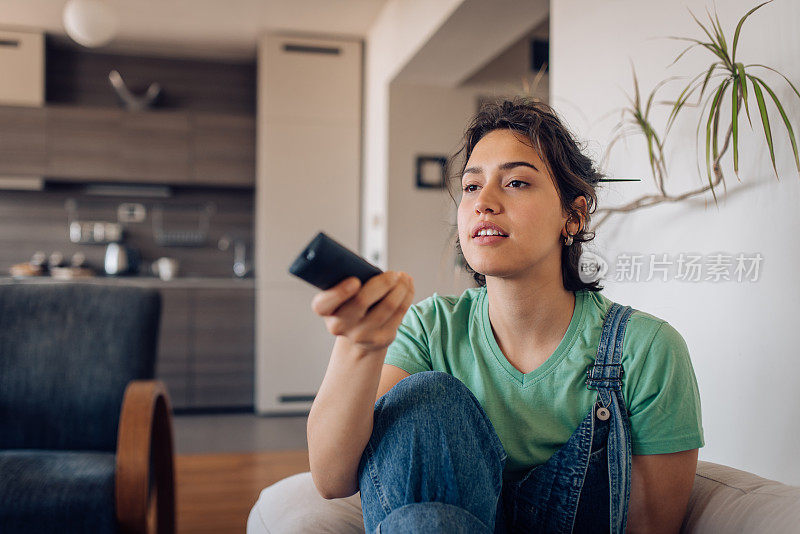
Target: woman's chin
x=494, y=271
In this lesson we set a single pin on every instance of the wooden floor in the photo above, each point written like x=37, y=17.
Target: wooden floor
x=215, y=492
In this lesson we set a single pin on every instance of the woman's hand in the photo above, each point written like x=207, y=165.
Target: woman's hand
x=367, y=316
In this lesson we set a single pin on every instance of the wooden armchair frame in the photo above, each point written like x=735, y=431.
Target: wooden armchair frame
x=145, y=497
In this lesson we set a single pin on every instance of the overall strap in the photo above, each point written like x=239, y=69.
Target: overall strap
x=606, y=376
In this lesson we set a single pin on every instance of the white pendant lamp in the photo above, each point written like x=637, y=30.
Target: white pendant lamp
x=91, y=23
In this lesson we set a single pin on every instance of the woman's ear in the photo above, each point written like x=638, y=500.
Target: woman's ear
x=582, y=207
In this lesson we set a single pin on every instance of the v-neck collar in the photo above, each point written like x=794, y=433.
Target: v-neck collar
x=525, y=379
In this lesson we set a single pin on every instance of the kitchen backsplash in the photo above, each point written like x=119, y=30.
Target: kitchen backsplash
x=32, y=221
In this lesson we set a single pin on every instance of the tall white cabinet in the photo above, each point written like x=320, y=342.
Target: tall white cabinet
x=308, y=180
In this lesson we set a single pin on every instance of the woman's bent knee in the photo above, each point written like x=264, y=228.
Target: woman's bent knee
x=293, y=506
x=430, y=383
x=431, y=442
x=429, y=392
x=418, y=398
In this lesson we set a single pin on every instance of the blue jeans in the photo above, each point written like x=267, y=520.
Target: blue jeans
x=435, y=464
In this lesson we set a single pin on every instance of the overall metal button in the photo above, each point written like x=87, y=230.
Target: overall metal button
x=603, y=413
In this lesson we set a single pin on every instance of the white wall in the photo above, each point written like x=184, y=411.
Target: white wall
x=740, y=334
x=424, y=120
x=471, y=36
x=510, y=71
x=400, y=30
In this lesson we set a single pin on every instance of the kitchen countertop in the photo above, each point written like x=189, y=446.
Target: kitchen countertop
x=143, y=281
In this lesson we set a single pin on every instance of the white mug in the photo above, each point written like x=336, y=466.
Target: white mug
x=165, y=268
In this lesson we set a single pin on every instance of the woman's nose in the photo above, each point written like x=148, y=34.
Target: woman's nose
x=486, y=201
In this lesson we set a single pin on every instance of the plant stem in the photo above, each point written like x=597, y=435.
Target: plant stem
x=652, y=200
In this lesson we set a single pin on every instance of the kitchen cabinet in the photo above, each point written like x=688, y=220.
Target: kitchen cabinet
x=22, y=141
x=224, y=344
x=83, y=143
x=223, y=149
x=109, y=144
x=101, y=144
x=22, y=64
x=309, y=140
x=154, y=147
x=206, y=347
x=174, y=344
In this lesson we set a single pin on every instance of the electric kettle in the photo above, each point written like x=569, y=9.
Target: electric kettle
x=120, y=259
x=116, y=261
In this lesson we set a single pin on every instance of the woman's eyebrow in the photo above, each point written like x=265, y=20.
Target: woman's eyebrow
x=505, y=166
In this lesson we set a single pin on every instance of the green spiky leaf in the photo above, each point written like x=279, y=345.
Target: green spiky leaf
x=784, y=77
x=718, y=31
x=636, y=87
x=697, y=133
x=762, y=109
x=786, y=121
x=715, y=128
x=711, y=114
x=710, y=38
x=739, y=28
x=711, y=47
x=735, y=124
x=682, y=98
x=681, y=54
x=743, y=78
x=708, y=76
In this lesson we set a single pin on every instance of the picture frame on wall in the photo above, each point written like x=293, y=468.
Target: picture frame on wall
x=431, y=172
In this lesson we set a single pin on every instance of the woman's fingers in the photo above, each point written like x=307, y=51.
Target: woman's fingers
x=326, y=302
x=379, y=315
x=373, y=291
x=367, y=314
x=396, y=318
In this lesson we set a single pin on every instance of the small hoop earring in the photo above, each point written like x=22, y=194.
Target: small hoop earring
x=568, y=239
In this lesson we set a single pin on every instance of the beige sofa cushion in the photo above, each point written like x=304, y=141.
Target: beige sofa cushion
x=726, y=500
x=294, y=506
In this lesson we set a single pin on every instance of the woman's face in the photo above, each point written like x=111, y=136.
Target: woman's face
x=506, y=182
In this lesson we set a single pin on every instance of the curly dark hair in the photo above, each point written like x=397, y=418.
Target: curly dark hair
x=574, y=174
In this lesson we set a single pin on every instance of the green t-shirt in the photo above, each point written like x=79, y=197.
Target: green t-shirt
x=534, y=414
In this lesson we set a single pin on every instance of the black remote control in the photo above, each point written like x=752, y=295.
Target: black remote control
x=325, y=262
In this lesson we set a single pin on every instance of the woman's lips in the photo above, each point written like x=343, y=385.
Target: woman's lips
x=488, y=239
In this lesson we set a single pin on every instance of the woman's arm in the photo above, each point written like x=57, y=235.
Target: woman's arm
x=365, y=322
x=340, y=421
x=661, y=485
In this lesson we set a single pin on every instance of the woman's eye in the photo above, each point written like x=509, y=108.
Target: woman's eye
x=468, y=190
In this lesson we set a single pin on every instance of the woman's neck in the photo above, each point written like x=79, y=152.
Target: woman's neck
x=529, y=320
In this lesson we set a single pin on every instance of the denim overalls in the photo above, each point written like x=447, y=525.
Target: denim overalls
x=434, y=463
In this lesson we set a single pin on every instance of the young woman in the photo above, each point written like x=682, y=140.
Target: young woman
x=530, y=403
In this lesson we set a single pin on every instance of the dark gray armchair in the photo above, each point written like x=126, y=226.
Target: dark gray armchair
x=85, y=431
